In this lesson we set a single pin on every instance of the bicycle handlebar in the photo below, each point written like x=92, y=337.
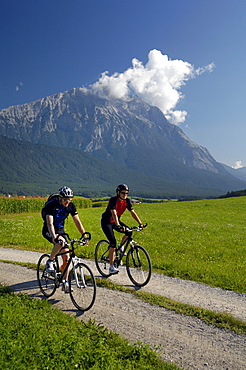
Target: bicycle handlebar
x=137, y=228
x=85, y=236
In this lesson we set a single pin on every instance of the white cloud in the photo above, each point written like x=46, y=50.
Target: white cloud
x=158, y=83
x=237, y=164
x=17, y=87
x=177, y=116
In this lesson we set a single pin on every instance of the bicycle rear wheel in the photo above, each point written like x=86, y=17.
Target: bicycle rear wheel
x=82, y=287
x=102, y=257
x=138, y=266
x=46, y=280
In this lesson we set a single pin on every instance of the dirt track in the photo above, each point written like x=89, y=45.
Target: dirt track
x=187, y=341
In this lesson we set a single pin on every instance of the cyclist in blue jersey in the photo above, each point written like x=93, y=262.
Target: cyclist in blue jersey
x=56, y=211
x=111, y=220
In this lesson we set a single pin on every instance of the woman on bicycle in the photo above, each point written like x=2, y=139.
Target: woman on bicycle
x=111, y=220
x=56, y=211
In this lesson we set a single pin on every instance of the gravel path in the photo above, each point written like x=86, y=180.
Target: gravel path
x=187, y=341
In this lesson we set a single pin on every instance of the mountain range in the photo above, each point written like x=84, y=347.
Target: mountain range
x=239, y=173
x=125, y=137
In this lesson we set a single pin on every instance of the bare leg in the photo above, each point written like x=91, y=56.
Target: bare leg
x=57, y=247
x=124, y=239
x=65, y=258
x=111, y=255
x=55, y=250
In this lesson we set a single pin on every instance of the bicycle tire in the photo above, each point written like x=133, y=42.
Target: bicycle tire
x=102, y=257
x=46, y=280
x=83, y=293
x=138, y=266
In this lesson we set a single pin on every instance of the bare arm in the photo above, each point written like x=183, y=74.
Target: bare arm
x=50, y=225
x=78, y=224
x=115, y=217
x=135, y=216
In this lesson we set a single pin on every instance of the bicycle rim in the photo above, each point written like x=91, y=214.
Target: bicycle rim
x=82, y=287
x=46, y=280
x=138, y=266
x=102, y=257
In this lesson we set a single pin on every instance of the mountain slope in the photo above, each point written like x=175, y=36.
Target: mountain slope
x=109, y=129
x=38, y=169
x=32, y=169
x=239, y=173
x=130, y=134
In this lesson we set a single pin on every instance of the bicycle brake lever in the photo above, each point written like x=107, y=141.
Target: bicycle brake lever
x=86, y=236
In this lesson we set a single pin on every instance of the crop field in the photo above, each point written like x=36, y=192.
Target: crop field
x=201, y=240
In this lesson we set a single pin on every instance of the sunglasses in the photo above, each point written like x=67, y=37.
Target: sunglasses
x=66, y=199
x=124, y=192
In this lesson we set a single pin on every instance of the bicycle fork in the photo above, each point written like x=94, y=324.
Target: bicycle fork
x=82, y=283
x=135, y=254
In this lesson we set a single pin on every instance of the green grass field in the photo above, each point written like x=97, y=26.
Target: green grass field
x=203, y=240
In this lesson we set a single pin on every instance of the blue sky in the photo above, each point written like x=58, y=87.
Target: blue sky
x=51, y=46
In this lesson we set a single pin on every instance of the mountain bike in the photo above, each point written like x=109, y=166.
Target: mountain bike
x=82, y=284
x=138, y=263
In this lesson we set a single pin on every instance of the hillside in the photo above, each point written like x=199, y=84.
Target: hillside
x=129, y=136
x=37, y=169
x=30, y=169
x=239, y=173
x=120, y=131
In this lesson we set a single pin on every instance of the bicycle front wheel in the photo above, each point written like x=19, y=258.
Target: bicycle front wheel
x=46, y=280
x=82, y=287
x=138, y=266
x=102, y=257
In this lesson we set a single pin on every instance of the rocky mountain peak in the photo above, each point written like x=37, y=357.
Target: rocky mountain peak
x=129, y=132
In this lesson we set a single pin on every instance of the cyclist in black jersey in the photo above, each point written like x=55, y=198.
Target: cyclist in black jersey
x=56, y=211
x=111, y=220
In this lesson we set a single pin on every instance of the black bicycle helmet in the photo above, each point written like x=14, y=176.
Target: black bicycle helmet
x=122, y=187
x=66, y=192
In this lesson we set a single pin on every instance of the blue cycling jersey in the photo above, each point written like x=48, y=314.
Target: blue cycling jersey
x=59, y=212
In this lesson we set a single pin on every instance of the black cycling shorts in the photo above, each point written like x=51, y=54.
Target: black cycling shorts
x=108, y=229
x=46, y=234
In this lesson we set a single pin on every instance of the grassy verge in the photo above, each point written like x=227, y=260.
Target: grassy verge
x=36, y=336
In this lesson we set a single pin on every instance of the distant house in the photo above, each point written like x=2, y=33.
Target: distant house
x=136, y=201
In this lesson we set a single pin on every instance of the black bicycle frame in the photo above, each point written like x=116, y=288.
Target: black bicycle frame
x=119, y=254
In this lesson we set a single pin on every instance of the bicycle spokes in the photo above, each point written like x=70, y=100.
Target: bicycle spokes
x=136, y=258
x=47, y=281
x=82, y=287
x=102, y=257
x=138, y=265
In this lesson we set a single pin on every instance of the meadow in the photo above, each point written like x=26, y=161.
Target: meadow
x=203, y=240
x=198, y=240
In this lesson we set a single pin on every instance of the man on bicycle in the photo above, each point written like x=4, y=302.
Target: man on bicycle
x=111, y=220
x=56, y=211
